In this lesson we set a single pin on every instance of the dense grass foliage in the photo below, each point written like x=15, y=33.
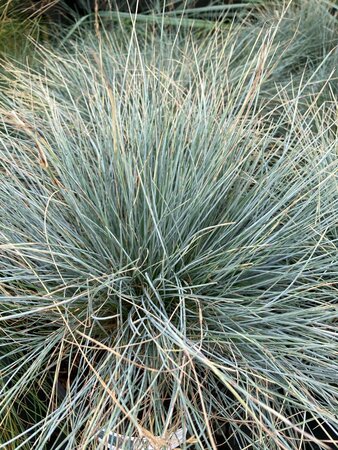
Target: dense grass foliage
x=169, y=237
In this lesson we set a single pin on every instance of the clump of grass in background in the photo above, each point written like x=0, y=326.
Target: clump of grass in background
x=24, y=23
x=15, y=30
x=169, y=240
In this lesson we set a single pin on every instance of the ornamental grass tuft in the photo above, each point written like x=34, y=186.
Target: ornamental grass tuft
x=169, y=238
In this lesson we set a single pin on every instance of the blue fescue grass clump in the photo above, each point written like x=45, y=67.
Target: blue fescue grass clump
x=169, y=240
